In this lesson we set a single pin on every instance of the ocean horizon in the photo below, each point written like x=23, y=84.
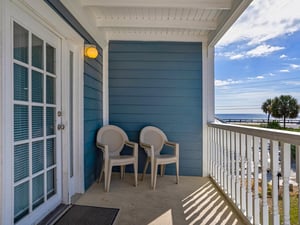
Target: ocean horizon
x=246, y=116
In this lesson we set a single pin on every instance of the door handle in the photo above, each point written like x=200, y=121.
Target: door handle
x=60, y=127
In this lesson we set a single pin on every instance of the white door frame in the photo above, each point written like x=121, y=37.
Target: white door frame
x=40, y=13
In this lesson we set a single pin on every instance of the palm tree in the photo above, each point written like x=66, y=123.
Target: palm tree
x=285, y=106
x=267, y=108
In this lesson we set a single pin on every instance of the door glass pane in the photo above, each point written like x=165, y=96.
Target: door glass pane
x=37, y=191
x=20, y=83
x=37, y=156
x=50, y=59
x=20, y=43
x=20, y=122
x=51, y=184
x=37, y=52
x=50, y=90
x=37, y=121
x=21, y=162
x=21, y=201
x=51, y=153
x=50, y=121
x=37, y=86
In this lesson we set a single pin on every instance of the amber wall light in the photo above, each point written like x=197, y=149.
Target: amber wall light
x=90, y=51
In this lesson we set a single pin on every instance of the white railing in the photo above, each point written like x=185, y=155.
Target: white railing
x=244, y=159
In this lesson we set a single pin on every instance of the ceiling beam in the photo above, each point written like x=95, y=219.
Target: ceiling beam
x=140, y=23
x=199, y=4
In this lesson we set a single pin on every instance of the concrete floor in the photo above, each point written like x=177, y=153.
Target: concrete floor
x=194, y=201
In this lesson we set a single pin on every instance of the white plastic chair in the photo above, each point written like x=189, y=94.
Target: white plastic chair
x=152, y=140
x=111, y=140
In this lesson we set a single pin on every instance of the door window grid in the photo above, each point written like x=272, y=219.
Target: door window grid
x=34, y=129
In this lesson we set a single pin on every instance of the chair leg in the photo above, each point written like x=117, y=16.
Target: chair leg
x=161, y=170
x=135, y=165
x=101, y=173
x=108, y=177
x=122, y=172
x=177, y=172
x=154, y=176
x=145, y=168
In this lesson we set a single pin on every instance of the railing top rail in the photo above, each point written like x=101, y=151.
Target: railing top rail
x=272, y=134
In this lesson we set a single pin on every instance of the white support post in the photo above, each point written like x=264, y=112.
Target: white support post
x=224, y=161
x=286, y=163
x=256, y=210
x=221, y=159
x=219, y=179
x=229, y=172
x=215, y=168
x=264, y=161
x=243, y=183
x=233, y=171
x=275, y=184
x=238, y=169
x=249, y=140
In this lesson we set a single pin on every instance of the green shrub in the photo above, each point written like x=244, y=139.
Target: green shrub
x=274, y=125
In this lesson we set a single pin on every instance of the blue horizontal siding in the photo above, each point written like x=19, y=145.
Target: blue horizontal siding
x=93, y=110
x=159, y=84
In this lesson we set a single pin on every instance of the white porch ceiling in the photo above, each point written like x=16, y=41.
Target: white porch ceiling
x=174, y=20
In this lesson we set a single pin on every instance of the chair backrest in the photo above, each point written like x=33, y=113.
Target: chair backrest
x=112, y=136
x=153, y=136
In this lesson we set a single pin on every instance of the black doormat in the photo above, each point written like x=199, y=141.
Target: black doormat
x=88, y=215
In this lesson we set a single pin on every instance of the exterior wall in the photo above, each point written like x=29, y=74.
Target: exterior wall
x=92, y=117
x=159, y=84
x=93, y=104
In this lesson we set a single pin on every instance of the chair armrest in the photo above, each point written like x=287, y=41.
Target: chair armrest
x=145, y=146
x=174, y=145
x=149, y=149
x=134, y=147
x=104, y=149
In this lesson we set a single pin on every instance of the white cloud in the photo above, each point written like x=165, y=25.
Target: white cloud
x=283, y=56
x=219, y=83
x=294, y=66
x=292, y=83
x=264, y=20
x=263, y=50
x=259, y=51
x=284, y=71
x=260, y=77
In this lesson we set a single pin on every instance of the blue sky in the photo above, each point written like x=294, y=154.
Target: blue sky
x=259, y=57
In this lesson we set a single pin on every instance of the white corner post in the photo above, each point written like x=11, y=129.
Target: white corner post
x=208, y=102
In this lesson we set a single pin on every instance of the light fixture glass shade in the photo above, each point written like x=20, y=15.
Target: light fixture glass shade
x=90, y=51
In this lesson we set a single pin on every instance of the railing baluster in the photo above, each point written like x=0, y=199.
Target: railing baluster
x=233, y=171
x=286, y=178
x=249, y=180
x=229, y=172
x=219, y=162
x=274, y=163
x=256, y=206
x=265, y=209
x=224, y=161
x=243, y=183
x=221, y=156
x=238, y=169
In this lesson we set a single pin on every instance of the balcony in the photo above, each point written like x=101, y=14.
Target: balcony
x=244, y=165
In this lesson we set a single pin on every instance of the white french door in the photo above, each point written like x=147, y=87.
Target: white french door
x=37, y=122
